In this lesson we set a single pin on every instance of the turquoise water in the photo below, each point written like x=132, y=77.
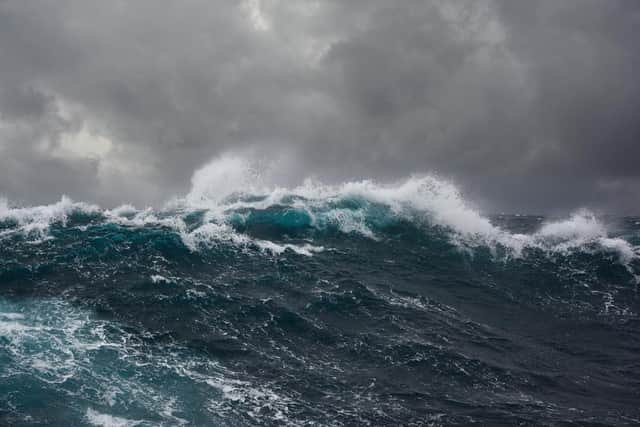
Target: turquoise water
x=351, y=305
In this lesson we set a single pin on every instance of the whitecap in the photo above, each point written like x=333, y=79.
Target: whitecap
x=105, y=420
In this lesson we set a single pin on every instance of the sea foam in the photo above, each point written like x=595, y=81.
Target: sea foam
x=230, y=188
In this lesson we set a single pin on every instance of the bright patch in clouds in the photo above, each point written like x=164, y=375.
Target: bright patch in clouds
x=258, y=20
x=86, y=143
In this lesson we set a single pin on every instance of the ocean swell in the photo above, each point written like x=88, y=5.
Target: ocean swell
x=361, y=303
x=230, y=203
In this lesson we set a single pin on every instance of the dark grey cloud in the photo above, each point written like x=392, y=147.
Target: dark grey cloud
x=529, y=106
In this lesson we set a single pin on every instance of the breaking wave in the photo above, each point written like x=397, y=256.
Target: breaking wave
x=247, y=302
x=230, y=202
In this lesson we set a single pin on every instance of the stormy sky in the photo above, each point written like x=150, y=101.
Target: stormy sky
x=529, y=106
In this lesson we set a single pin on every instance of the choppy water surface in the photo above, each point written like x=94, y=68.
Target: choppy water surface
x=319, y=305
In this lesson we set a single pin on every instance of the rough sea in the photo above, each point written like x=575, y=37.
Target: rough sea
x=338, y=305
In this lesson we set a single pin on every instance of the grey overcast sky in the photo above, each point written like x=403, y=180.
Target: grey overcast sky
x=529, y=106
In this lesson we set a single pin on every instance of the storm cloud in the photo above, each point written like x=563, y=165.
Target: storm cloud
x=528, y=106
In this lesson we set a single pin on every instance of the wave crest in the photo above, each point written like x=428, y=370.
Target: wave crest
x=363, y=207
x=35, y=221
x=231, y=200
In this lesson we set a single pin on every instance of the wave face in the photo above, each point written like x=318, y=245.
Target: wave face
x=350, y=304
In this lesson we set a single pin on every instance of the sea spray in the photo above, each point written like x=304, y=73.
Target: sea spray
x=250, y=302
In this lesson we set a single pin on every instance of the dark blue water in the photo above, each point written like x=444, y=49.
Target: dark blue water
x=346, y=309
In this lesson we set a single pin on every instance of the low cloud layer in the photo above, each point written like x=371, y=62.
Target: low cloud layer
x=528, y=106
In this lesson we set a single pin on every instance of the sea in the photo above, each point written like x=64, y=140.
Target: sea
x=358, y=303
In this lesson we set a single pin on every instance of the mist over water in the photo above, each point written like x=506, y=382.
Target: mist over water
x=247, y=302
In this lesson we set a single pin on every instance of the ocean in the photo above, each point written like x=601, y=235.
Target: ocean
x=351, y=304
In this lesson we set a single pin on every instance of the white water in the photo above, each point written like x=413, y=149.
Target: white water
x=417, y=198
x=62, y=347
x=35, y=221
